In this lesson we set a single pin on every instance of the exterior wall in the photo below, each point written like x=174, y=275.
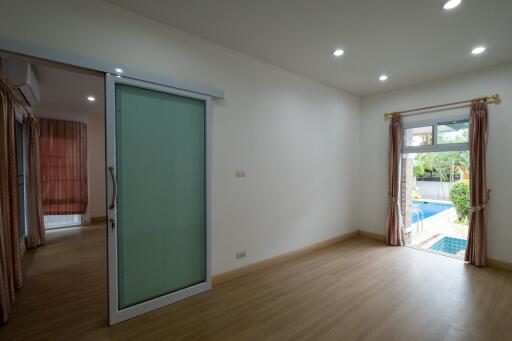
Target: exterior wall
x=407, y=193
x=407, y=189
x=434, y=189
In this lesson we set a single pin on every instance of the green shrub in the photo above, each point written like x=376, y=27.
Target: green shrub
x=418, y=170
x=459, y=196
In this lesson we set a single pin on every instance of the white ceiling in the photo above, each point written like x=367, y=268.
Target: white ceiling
x=410, y=40
x=64, y=93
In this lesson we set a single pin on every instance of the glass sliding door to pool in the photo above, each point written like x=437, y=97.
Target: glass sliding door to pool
x=435, y=186
x=157, y=170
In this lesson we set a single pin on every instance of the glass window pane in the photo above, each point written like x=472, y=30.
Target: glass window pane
x=57, y=221
x=419, y=136
x=453, y=132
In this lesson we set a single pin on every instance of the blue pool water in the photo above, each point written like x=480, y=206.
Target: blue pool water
x=428, y=208
x=449, y=245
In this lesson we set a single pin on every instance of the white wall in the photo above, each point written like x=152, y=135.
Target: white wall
x=296, y=139
x=96, y=166
x=373, y=147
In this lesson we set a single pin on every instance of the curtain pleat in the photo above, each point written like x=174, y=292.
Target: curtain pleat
x=63, y=162
x=34, y=209
x=10, y=256
x=394, y=231
x=476, y=250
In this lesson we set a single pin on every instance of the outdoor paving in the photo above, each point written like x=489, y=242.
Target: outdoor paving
x=434, y=228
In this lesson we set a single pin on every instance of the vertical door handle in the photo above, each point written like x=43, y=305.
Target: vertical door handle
x=114, y=189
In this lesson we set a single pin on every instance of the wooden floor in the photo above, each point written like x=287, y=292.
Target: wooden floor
x=356, y=290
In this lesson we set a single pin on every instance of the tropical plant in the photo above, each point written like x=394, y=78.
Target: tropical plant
x=418, y=169
x=442, y=164
x=459, y=196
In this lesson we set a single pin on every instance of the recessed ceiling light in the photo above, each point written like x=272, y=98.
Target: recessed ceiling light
x=383, y=78
x=451, y=4
x=91, y=98
x=338, y=52
x=478, y=50
x=118, y=70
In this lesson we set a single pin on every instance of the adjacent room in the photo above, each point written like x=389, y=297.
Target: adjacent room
x=255, y=170
x=60, y=144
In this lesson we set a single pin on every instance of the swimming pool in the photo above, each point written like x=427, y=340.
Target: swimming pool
x=428, y=208
x=449, y=245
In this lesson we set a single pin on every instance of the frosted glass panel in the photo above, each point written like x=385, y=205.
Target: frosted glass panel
x=160, y=158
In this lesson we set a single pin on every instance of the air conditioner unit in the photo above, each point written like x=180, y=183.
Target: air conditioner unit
x=21, y=75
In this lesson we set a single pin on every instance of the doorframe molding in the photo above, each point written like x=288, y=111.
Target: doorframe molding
x=117, y=315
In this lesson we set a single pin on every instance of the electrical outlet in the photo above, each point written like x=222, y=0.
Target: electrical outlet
x=240, y=254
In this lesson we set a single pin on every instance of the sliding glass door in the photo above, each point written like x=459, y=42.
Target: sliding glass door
x=435, y=185
x=158, y=221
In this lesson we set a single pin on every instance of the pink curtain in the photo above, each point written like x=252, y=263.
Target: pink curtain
x=10, y=256
x=35, y=224
x=63, y=162
x=476, y=251
x=394, y=230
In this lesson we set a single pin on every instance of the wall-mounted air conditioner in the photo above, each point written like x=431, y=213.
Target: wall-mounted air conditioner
x=21, y=75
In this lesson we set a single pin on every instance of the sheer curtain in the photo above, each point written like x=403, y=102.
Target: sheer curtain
x=10, y=256
x=63, y=162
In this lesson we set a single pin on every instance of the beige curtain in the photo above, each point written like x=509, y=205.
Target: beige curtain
x=394, y=229
x=35, y=224
x=10, y=256
x=476, y=251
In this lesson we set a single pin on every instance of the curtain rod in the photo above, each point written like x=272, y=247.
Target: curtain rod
x=493, y=99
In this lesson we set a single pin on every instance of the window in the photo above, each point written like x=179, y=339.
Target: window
x=63, y=161
x=434, y=192
x=436, y=136
x=56, y=221
x=453, y=132
x=419, y=136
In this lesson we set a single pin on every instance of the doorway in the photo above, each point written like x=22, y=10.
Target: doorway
x=175, y=193
x=435, y=186
x=72, y=262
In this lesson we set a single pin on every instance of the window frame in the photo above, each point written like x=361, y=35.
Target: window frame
x=434, y=147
